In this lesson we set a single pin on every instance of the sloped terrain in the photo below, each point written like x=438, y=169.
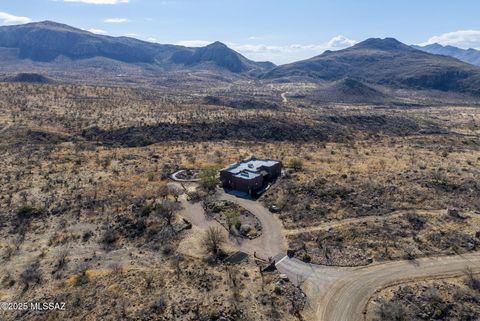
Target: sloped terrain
x=471, y=56
x=50, y=45
x=386, y=62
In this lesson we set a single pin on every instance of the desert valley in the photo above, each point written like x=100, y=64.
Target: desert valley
x=111, y=202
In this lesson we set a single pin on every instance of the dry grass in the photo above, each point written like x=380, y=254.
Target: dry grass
x=447, y=299
x=428, y=157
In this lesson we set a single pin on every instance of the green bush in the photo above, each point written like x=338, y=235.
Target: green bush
x=209, y=178
x=214, y=315
x=238, y=224
x=296, y=164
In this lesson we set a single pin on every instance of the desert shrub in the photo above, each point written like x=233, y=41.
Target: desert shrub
x=393, y=311
x=277, y=290
x=86, y=236
x=9, y=252
x=212, y=241
x=82, y=277
x=233, y=219
x=109, y=238
x=28, y=212
x=209, y=179
x=437, y=308
x=31, y=275
x=159, y=305
x=175, y=191
x=195, y=196
x=472, y=281
x=214, y=315
x=7, y=281
x=166, y=211
x=296, y=164
x=416, y=221
x=61, y=261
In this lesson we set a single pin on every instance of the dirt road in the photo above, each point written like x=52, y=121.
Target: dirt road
x=335, y=293
x=342, y=294
x=272, y=241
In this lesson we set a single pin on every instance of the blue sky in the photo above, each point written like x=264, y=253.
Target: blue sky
x=277, y=30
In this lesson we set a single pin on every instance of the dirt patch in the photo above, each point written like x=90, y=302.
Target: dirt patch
x=449, y=300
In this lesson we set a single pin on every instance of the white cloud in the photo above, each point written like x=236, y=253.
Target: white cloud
x=99, y=1
x=289, y=53
x=340, y=42
x=279, y=54
x=461, y=38
x=98, y=31
x=9, y=19
x=152, y=39
x=115, y=20
x=194, y=43
x=132, y=34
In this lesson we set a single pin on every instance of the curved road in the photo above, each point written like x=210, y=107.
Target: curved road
x=272, y=241
x=337, y=293
x=342, y=294
x=267, y=245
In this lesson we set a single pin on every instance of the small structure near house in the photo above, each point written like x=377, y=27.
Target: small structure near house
x=250, y=175
x=236, y=257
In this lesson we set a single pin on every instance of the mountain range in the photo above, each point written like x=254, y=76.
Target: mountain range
x=386, y=62
x=60, y=52
x=46, y=42
x=471, y=56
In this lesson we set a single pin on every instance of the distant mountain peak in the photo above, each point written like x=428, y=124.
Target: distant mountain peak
x=47, y=24
x=471, y=56
x=217, y=44
x=45, y=41
x=220, y=55
x=383, y=62
x=382, y=44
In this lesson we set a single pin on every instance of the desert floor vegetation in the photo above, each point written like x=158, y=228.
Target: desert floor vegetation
x=86, y=205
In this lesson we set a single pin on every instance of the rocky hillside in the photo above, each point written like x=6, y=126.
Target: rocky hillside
x=471, y=56
x=386, y=62
x=50, y=42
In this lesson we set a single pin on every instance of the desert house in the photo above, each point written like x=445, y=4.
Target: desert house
x=250, y=175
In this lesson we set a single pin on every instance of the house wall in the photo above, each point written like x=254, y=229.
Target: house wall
x=247, y=185
x=226, y=178
x=275, y=171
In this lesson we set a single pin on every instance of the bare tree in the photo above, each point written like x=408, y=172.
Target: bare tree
x=213, y=240
x=166, y=210
x=175, y=191
x=32, y=275
x=163, y=191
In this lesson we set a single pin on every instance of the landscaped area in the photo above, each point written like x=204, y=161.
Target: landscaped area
x=237, y=220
